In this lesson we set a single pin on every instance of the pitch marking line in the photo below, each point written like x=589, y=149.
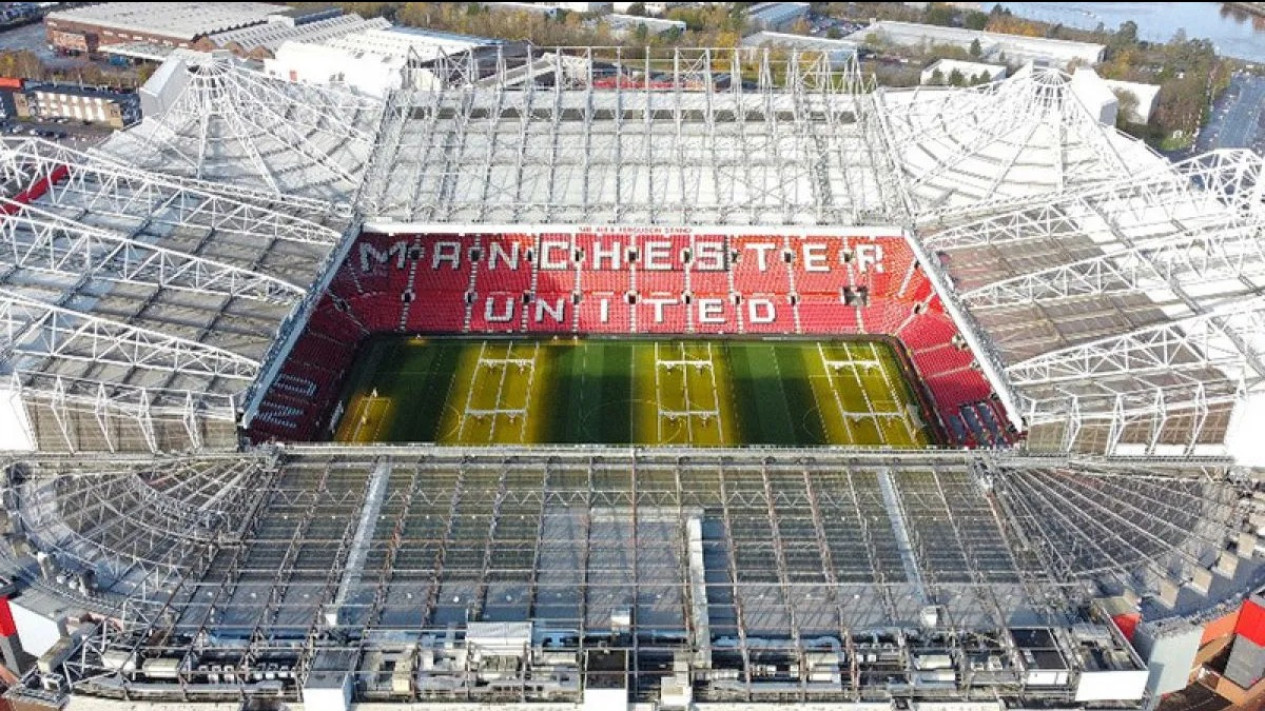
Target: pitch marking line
x=684, y=361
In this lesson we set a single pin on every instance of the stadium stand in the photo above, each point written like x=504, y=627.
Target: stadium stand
x=629, y=283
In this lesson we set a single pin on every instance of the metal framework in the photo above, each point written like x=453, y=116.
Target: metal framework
x=150, y=292
x=1130, y=304
x=731, y=557
x=131, y=298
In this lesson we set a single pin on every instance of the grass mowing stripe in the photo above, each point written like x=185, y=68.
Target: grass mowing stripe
x=602, y=391
x=758, y=385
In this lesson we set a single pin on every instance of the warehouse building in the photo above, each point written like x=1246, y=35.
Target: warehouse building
x=993, y=46
x=262, y=41
x=776, y=15
x=626, y=25
x=85, y=30
x=839, y=51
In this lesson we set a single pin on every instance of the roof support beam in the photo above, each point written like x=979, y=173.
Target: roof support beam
x=32, y=327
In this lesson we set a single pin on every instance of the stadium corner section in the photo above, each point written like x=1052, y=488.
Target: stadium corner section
x=546, y=281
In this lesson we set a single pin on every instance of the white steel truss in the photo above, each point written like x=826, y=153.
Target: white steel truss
x=1208, y=340
x=786, y=146
x=230, y=122
x=99, y=185
x=32, y=238
x=33, y=327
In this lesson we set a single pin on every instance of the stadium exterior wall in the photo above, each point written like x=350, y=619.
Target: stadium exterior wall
x=15, y=426
x=1170, y=655
x=1243, y=439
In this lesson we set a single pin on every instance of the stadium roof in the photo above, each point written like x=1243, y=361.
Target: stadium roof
x=985, y=176
x=135, y=296
x=147, y=289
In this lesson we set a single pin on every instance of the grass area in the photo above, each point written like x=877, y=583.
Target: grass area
x=598, y=391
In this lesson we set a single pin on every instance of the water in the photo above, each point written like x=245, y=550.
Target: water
x=1233, y=33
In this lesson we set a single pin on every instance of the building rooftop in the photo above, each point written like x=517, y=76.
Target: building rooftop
x=184, y=20
x=767, y=11
x=803, y=42
x=271, y=35
x=992, y=43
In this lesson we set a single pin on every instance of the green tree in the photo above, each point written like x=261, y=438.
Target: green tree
x=976, y=50
x=638, y=9
x=642, y=33
x=956, y=78
x=975, y=20
x=937, y=77
x=834, y=33
x=939, y=14
x=1128, y=32
x=1126, y=105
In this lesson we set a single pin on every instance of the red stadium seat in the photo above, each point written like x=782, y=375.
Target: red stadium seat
x=519, y=283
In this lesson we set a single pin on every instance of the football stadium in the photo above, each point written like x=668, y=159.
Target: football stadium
x=599, y=378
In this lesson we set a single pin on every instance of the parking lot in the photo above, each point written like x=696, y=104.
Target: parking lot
x=69, y=132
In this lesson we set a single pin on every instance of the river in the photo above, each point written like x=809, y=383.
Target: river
x=1233, y=32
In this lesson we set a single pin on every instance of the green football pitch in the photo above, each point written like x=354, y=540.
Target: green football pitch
x=598, y=391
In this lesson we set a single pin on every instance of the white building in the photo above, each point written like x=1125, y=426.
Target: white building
x=993, y=45
x=398, y=41
x=551, y=8
x=969, y=70
x=1094, y=93
x=776, y=15
x=368, y=72
x=370, y=61
x=1146, y=94
x=626, y=25
x=839, y=51
x=652, y=8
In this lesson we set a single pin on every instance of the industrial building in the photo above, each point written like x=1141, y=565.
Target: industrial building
x=155, y=290
x=774, y=16
x=840, y=52
x=84, y=30
x=263, y=40
x=995, y=47
x=624, y=26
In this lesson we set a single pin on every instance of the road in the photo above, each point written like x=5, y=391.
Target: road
x=1236, y=120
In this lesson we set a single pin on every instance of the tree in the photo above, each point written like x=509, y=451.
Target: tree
x=976, y=49
x=939, y=14
x=937, y=77
x=638, y=9
x=975, y=20
x=1179, y=37
x=956, y=78
x=1126, y=106
x=642, y=33
x=834, y=33
x=1128, y=32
